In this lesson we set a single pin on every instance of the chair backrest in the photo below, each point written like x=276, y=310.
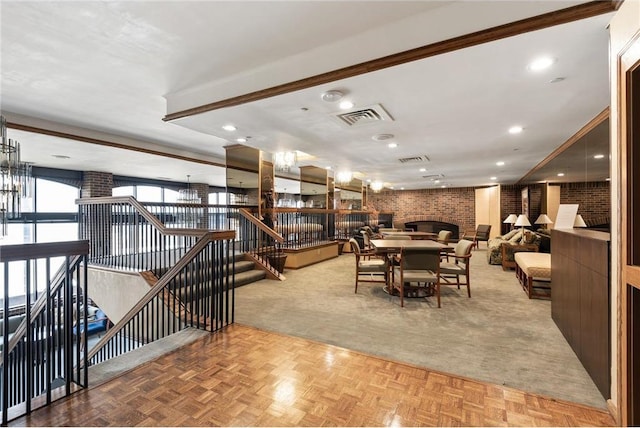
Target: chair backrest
x=355, y=247
x=366, y=238
x=483, y=231
x=463, y=248
x=420, y=259
x=444, y=236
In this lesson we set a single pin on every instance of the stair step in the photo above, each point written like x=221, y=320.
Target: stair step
x=244, y=278
x=244, y=265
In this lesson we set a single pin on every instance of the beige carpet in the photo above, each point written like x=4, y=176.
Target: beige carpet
x=497, y=336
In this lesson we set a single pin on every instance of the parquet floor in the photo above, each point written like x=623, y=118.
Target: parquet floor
x=248, y=377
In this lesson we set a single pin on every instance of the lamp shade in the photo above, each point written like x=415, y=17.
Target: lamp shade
x=543, y=219
x=511, y=218
x=522, y=221
x=579, y=222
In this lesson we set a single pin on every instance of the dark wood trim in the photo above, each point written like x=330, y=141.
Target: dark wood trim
x=601, y=117
x=563, y=16
x=107, y=143
x=12, y=253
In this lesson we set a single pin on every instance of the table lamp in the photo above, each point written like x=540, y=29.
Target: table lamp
x=579, y=222
x=544, y=220
x=522, y=221
x=511, y=218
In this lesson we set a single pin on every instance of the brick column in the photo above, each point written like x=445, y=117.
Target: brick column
x=203, y=192
x=96, y=184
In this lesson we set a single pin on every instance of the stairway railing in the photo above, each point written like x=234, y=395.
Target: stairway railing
x=40, y=355
x=259, y=240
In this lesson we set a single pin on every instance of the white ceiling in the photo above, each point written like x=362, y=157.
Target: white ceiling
x=113, y=70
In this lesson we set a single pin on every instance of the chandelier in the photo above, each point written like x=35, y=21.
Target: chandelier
x=284, y=161
x=376, y=186
x=344, y=177
x=15, y=178
x=188, y=195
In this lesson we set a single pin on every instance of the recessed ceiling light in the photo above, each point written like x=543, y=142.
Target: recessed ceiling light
x=368, y=180
x=500, y=163
x=327, y=167
x=241, y=140
x=598, y=156
x=402, y=188
x=392, y=145
x=346, y=105
x=443, y=186
x=541, y=63
x=561, y=174
x=436, y=181
x=515, y=129
x=423, y=169
x=229, y=127
x=382, y=137
x=331, y=96
x=494, y=178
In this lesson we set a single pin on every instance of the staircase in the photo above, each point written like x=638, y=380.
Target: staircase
x=247, y=272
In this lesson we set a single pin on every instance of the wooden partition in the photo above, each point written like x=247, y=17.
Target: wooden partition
x=580, y=298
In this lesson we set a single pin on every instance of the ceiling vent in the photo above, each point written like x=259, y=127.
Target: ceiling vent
x=423, y=158
x=363, y=116
x=434, y=176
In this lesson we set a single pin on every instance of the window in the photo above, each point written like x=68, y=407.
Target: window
x=54, y=197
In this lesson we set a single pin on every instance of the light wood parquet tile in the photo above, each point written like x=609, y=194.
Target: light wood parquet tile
x=246, y=377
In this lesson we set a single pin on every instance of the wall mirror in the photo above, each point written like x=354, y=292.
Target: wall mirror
x=242, y=175
x=287, y=192
x=313, y=186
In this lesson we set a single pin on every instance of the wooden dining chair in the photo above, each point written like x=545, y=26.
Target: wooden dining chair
x=367, y=270
x=417, y=266
x=459, y=267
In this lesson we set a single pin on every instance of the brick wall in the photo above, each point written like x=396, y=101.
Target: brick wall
x=202, y=190
x=458, y=205
x=455, y=205
x=96, y=184
x=593, y=198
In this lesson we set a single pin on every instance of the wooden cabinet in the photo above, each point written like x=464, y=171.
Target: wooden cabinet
x=580, y=299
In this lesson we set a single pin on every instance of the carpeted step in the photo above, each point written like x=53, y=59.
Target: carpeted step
x=244, y=265
x=247, y=277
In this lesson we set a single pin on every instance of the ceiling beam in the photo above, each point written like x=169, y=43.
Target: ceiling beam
x=107, y=143
x=563, y=16
x=601, y=117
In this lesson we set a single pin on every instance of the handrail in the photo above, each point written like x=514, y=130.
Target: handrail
x=260, y=225
x=17, y=252
x=144, y=213
x=202, y=242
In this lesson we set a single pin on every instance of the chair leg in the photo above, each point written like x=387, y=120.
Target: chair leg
x=438, y=291
x=356, y=280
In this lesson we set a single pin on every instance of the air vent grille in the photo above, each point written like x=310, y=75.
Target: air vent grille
x=434, y=176
x=363, y=116
x=423, y=158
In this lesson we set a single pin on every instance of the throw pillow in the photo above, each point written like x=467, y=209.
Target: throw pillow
x=516, y=238
x=510, y=235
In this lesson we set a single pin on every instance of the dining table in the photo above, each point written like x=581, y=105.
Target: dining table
x=412, y=234
x=391, y=247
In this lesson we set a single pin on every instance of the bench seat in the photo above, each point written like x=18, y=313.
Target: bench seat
x=532, y=267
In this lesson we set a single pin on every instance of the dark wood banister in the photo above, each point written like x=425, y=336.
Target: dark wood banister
x=260, y=225
x=145, y=213
x=202, y=242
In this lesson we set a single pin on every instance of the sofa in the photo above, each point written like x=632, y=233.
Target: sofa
x=540, y=240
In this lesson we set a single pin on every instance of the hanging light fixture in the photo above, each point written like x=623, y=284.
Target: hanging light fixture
x=188, y=195
x=376, y=186
x=284, y=161
x=344, y=177
x=15, y=178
